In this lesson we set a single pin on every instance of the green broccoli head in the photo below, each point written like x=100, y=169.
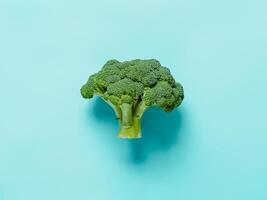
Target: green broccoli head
x=164, y=96
x=126, y=89
x=131, y=87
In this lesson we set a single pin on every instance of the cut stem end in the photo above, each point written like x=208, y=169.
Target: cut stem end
x=132, y=131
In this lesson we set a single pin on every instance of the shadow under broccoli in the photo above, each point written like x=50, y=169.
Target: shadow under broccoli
x=130, y=88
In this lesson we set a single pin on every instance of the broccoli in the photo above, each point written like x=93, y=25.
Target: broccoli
x=130, y=88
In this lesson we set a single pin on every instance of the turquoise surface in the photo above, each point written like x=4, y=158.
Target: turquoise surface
x=54, y=145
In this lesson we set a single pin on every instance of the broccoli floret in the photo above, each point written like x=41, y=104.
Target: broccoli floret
x=131, y=87
x=164, y=96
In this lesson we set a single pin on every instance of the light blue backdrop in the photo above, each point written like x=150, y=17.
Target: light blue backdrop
x=54, y=145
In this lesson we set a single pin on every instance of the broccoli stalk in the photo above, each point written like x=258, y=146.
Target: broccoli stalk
x=129, y=123
x=128, y=117
x=130, y=120
x=130, y=88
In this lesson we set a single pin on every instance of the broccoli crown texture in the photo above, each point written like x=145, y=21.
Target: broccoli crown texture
x=134, y=81
x=132, y=86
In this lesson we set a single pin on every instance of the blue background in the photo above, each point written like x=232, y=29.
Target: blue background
x=55, y=145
